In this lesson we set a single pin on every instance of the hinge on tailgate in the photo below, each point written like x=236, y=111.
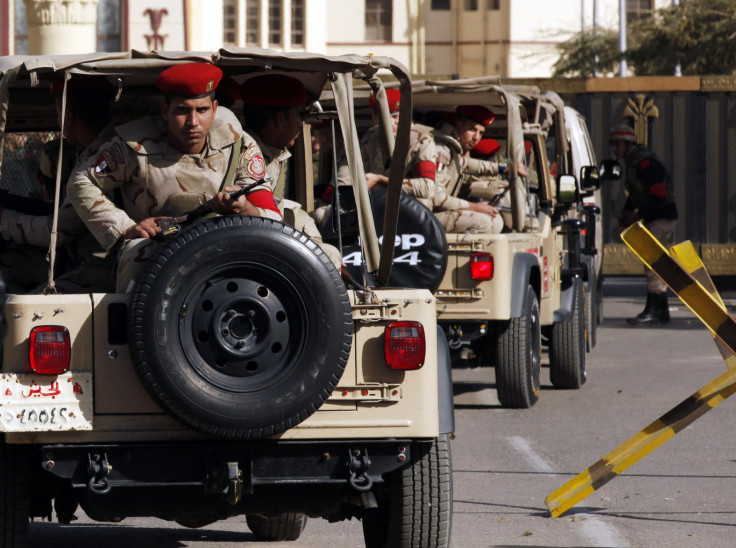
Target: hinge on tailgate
x=367, y=392
x=468, y=246
x=373, y=312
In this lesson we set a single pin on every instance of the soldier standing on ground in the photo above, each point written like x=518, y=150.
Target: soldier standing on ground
x=648, y=200
x=165, y=166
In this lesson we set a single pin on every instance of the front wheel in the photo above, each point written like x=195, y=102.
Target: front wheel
x=415, y=507
x=519, y=356
x=567, y=345
x=282, y=527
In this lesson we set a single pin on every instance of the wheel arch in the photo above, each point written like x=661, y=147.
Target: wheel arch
x=525, y=271
x=567, y=297
x=444, y=384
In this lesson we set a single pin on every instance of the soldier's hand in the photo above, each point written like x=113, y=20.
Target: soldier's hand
x=374, y=179
x=521, y=168
x=483, y=207
x=147, y=228
x=225, y=205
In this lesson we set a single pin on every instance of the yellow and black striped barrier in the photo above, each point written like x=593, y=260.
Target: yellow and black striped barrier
x=686, y=255
x=712, y=313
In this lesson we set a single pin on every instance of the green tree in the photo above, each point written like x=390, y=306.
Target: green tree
x=699, y=35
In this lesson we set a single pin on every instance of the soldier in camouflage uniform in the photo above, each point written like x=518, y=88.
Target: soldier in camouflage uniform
x=165, y=166
x=84, y=266
x=420, y=160
x=271, y=110
x=454, y=168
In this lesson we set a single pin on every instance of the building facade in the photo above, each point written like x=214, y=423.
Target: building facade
x=463, y=38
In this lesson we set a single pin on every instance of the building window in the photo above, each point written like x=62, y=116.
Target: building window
x=297, y=22
x=229, y=22
x=440, y=4
x=636, y=9
x=378, y=20
x=274, y=23
x=251, y=24
x=494, y=4
x=471, y=5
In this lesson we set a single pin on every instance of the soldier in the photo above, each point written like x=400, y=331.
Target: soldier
x=648, y=200
x=455, y=166
x=420, y=160
x=165, y=166
x=25, y=267
x=271, y=109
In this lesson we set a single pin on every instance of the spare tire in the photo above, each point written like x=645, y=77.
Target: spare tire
x=420, y=252
x=240, y=327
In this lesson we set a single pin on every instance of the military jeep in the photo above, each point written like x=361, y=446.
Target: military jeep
x=501, y=296
x=244, y=375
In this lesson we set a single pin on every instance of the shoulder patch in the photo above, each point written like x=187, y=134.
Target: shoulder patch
x=106, y=162
x=255, y=165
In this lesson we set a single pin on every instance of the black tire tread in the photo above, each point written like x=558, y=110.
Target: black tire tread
x=567, y=348
x=514, y=382
x=143, y=290
x=15, y=502
x=285, y=527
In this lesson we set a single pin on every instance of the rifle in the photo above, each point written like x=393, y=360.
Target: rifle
x=172, y=225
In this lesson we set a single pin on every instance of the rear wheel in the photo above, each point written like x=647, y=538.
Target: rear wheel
x=15, y=506
x=415, y=508
x=283, y=527
x=519, y=356
x=567, y=345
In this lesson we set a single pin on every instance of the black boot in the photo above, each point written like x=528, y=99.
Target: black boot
x=664, y=308
x=651, y=315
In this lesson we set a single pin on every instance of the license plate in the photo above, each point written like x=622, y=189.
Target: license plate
x=45, y=403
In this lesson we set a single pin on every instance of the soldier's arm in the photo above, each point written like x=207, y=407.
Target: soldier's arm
x=424, y=171
x=652, y=174
x=444, y=202
x=251, y=168
x=36, y=229
x=102, y=173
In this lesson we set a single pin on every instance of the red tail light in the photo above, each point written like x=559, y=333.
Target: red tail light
x=50, y=349
x=481, y=266
x=404, y=345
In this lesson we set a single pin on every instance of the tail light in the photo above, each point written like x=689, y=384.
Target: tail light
x=404, y=345
x=481, y=266
x=50, y=349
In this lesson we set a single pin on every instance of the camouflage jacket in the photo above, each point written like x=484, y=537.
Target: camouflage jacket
x=71, y=232
x=420, y=161
x=153, y=178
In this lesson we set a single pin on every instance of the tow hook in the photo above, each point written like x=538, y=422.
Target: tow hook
x=454, y=337
x=359, y=463
x=227, y=480
x=98, y=469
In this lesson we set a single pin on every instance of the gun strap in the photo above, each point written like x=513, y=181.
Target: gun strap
x=232, y=166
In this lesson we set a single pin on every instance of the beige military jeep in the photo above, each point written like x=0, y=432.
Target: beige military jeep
x=242, y=376
x=499, y=297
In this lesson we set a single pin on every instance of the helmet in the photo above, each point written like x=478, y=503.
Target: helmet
x=622, y=132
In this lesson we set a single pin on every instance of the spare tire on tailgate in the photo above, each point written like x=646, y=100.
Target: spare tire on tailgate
x=240, y=327
x=420, y=251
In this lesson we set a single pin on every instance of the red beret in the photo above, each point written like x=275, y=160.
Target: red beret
x=486, y=147
x=190, y=79
x=87, y=84
x=229, y=88
x=478, y=114
x=527, y=147
x=274, y=90
x=393, y=96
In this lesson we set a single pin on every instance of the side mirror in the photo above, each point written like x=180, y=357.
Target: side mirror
x=567, y=189
x=589, y=179
x=610, y=170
